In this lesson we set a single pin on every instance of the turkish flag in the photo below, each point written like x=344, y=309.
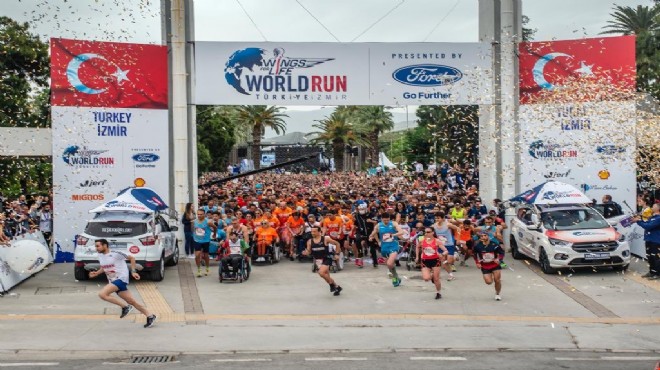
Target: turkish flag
x=108, y=74
x=594, y=69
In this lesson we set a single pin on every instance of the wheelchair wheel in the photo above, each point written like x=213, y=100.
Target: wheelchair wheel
x=277, y=255
x=246, y=270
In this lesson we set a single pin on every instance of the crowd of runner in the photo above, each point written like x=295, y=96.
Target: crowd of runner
x=433, y=219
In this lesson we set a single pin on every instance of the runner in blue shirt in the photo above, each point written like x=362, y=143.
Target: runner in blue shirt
x=387, y=232
x=202, y=230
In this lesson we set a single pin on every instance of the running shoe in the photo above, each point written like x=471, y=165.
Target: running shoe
x=150, y=321
x=647, y=275
x=125, y=311
x=497, y=297
x=453, y=268
x=653, y=277
x=199, y=272
x=332, y=288
x=438, y=295
x=207, y=272
x=389, y=275
x=338, y=290
x=396, y=282
x=451, y=277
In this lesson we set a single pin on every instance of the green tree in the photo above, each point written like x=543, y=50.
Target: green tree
x=24, y=72
x=24, y=102
x=337, y=131
x=258, y=118
x=420, y=145
x=216, y=134
x=374, y=120
x=527, y=33
x=453, y=131
x=644, y=22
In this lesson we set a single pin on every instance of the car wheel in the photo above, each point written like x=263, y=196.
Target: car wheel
x=80, y=273
x=159, y=272
x=515, y=253
x=545, y=263
x=174, y=260
x=620, y=267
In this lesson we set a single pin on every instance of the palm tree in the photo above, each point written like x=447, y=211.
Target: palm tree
x=374, y=120
x=337, y=131
x=258, y=118
x=630, y=21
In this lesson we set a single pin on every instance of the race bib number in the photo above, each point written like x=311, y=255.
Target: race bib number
x=429, y=251
x=199, y=231
x=488, y=257
x=387, y=237
x=334, y=234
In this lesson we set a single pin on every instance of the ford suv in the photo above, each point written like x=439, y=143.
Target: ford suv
x=566, y=236
x=146, y=236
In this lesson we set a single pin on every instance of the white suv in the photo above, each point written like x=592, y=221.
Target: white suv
x=566, y=236
x=146, y=236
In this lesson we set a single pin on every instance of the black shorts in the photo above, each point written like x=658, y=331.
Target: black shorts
x=204, y=247
x=430, y=263
x=490, y=270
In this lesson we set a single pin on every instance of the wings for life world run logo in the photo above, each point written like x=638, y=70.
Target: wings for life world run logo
x=74, y=156
x=540, y=149
x=270, y=76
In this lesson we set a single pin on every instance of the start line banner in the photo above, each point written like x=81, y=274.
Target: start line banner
x=342, y=73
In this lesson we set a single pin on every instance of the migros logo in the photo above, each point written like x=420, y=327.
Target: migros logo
x=87, y=197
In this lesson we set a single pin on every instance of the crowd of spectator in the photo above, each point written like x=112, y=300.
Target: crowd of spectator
x=26, y=214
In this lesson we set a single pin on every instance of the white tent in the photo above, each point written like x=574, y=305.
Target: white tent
x=384, y=161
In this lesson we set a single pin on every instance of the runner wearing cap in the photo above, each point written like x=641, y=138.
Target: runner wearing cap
x=487, y=255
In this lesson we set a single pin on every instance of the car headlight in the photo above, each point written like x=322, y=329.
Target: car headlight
x=559, y=242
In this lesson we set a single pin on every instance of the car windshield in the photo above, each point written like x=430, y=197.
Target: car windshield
x=109, y=229
x=573, y=219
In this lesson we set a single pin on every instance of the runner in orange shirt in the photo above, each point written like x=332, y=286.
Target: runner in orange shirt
x=333, y=227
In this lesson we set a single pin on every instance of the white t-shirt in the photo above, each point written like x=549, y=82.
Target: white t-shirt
x=114, y=266
x=419, y=168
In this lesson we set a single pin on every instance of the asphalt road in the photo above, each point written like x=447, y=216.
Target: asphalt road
x=475, y=360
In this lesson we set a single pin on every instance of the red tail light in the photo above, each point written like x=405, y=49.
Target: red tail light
x=81, y=240
x=149, y=240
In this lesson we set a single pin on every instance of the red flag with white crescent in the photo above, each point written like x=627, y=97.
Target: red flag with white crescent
x=108, y=74
x=593, y=69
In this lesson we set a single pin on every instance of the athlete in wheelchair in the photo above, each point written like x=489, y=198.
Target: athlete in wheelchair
x=267, y=243
x=235, y=264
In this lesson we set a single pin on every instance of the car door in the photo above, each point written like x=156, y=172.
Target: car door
x=525, y=235
x=166, y=236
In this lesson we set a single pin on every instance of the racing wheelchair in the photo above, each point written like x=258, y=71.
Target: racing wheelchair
x=228, y=273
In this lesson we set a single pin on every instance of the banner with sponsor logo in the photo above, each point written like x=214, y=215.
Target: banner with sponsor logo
x=577, y=115
x=110, y=128
x=342, y=73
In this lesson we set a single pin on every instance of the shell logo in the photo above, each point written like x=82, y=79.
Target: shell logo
x=603, y=174
x=139, y=182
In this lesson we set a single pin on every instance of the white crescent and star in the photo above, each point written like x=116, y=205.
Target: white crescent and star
x=72, y=73
x=539, y=66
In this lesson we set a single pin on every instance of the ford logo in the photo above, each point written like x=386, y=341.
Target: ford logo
x=427, y=75
x=146, y=157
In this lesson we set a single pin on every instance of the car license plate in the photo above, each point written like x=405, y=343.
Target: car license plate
x=596, y=256
x=114, y=245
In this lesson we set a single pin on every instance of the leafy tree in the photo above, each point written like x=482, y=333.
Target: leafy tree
x=374, y=120
x=24, y=102
x=644, y=22
x=24, y=72
x=420, y=145
x=527, y=33
x=453, y=132
x=337, y=132
x=629, y=21
x=258, y=118
x=216, y=134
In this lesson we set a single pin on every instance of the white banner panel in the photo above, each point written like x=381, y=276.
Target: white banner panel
x=589, y=145
x=96, y=153
x=342, y=73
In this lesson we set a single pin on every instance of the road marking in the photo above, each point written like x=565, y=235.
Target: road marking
x=242, y=360
x=192, y=303
x=153, y=299
x=17, y=364
x=438, y=359
x=132, y=364
x=336, y=359
x=572, y=292
x=187, y=317
x=607, y=358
